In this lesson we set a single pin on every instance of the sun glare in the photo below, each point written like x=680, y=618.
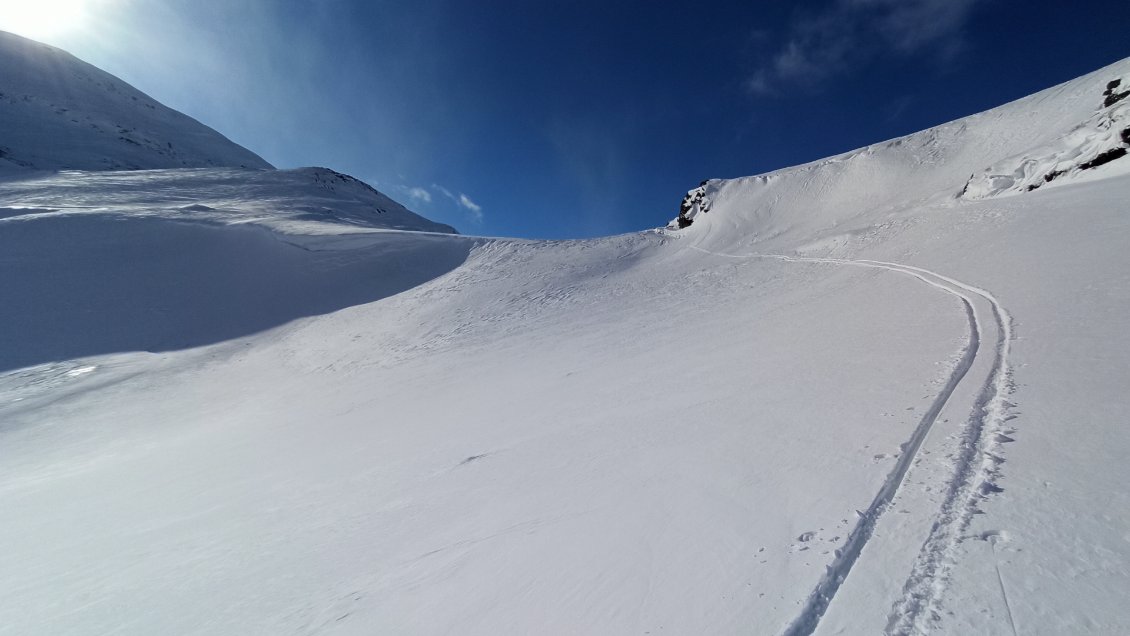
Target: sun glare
x=42, y=18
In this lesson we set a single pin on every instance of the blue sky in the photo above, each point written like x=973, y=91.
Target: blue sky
x=575, y=119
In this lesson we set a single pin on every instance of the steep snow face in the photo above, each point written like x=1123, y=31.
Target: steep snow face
x=58, y=112
x=1076, y=129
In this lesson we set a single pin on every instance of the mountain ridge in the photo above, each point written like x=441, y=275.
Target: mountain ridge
x=64, y=121
x=968, y=157
x=58, y=112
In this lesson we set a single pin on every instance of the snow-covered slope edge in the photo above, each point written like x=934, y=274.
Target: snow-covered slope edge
x=299, y=201
x=1076, y=120
x=1101, y=139
x=158, y=284
x=157, y=260
x=58, y=112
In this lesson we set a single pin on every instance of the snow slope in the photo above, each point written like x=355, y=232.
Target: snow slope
x=167, y=259
x=1056, y=129
x=845, y=399
x=58, y=112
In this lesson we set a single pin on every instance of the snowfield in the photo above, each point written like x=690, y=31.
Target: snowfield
x=849, y=397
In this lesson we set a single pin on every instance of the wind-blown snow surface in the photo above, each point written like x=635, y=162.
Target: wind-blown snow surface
x=158, y=260
x=844, y=400
x=58, y=112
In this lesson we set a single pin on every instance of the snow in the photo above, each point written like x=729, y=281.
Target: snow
x=58, y=112
x=1103, y=135
x=333, y=459
x=845, y=399
x=798, y=205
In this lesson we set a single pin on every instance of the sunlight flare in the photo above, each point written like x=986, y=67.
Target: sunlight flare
x=43, y=18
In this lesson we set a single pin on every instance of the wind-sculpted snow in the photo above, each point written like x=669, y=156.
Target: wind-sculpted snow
x=89, y=284
x=102, y=262
x=302, y=201
x=58, y=112
x=1066, y=127
x=1102, y=139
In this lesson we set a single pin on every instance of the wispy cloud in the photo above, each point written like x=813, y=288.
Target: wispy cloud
x=476, y=209
x=420, y=194
x=444, y=191
x=850, y=32
x=462, y=200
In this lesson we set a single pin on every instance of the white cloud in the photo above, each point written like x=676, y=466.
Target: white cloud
x=466, y=202
x=420, y=194
x=475, y=209
x=444, y=191
x=849, y=32
x=463, y=201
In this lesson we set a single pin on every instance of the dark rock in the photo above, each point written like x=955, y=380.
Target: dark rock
x=686, y=205
x=696, y=197
x=1103, y=158
x=1114, y=98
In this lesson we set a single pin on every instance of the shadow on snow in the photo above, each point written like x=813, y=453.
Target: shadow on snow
x=75, y=287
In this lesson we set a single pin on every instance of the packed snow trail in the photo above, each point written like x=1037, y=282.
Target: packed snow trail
x=922, y=591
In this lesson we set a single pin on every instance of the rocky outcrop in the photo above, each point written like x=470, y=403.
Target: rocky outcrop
x=696, y=202
x=1112, y=95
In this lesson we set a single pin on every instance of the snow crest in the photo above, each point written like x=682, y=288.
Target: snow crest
x=1102, y=139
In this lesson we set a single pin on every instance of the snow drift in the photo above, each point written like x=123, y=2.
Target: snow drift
x=170, y=259
x=94, y=284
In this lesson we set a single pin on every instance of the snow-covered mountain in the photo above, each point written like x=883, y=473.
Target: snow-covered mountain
x=870, y=394
x=60, y=115
x=58, y=112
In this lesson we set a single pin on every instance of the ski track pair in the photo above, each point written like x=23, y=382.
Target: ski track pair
x=973, y=468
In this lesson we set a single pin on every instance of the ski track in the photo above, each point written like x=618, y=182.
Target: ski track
x=974, y=467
